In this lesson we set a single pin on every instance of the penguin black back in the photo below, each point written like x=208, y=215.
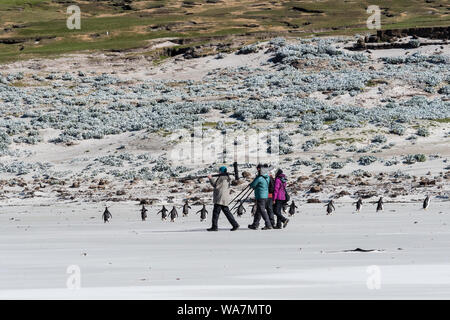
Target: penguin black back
x=292, y=208
x=241, y=210
x=380, y=204
x=203, y=213
x=143, y=213
x=359, y=204
x=426, y=202
x=163, y=212
x=106, y=215
x=330, y=207
x=186, y=208
x=173, y=214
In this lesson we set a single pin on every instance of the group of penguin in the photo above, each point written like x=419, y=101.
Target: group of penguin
x=173, y=214
x=330, y=205
x=380, y=203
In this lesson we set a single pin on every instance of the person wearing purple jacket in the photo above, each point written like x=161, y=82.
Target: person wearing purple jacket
x=279, y=197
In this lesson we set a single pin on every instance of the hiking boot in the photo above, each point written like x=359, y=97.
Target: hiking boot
x=285, y=223
x=267, y=228
x=253, y=227
x=212, y=229
x=235, y=228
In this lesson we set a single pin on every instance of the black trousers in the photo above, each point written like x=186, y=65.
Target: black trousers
x=216, y=212
x=269, y=209
x=261, y=213
x=280, y=218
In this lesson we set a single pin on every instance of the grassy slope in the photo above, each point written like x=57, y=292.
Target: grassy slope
x=192, y=19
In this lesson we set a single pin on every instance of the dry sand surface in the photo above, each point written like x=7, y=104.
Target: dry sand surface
x=131, y=259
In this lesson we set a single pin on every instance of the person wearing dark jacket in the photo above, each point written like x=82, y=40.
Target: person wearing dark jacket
x=279, y=197
x=221, y=199
x=270, y=202
x=261, y=187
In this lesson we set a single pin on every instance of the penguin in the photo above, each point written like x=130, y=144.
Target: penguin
x=330, y=207
x=241, y=210
x=143, y=213
x=163, y=213
x=186, y=208
x=106, y=215
x=380, y=204
x=173, y=214
x=254, y=210
x=426, y=202
x=203, y=213
x=358, y=205
x=292, y=208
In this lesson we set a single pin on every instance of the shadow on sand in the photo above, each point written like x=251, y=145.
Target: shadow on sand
x=189, y=230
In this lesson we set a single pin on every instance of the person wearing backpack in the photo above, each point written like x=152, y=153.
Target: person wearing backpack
x=280, y=197
x=261, y=187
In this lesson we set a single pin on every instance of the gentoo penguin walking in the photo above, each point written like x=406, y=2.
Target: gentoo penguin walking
x=143, y=213
x=203, y=213
x=163, y=212
x=426, y=202
x=358, y=205
x=241, y=210
x=106, y=215
x=330, y=207
x=173, y=214
x=186, y=208
x=380, y=204
x=292, y=208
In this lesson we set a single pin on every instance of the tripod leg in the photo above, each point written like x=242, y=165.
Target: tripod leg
x=240, y=199
x=238, y=195
x=246, y=197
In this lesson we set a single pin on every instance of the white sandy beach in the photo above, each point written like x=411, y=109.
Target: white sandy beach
x=131, y=259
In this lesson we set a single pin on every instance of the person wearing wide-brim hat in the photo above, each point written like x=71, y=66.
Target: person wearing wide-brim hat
x=221, y=199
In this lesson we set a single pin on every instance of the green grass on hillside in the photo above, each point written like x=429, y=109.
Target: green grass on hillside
x=27, y=20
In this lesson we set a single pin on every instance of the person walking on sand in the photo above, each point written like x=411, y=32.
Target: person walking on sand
x=261, y=187
x=279, y=198
x=221, y=195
